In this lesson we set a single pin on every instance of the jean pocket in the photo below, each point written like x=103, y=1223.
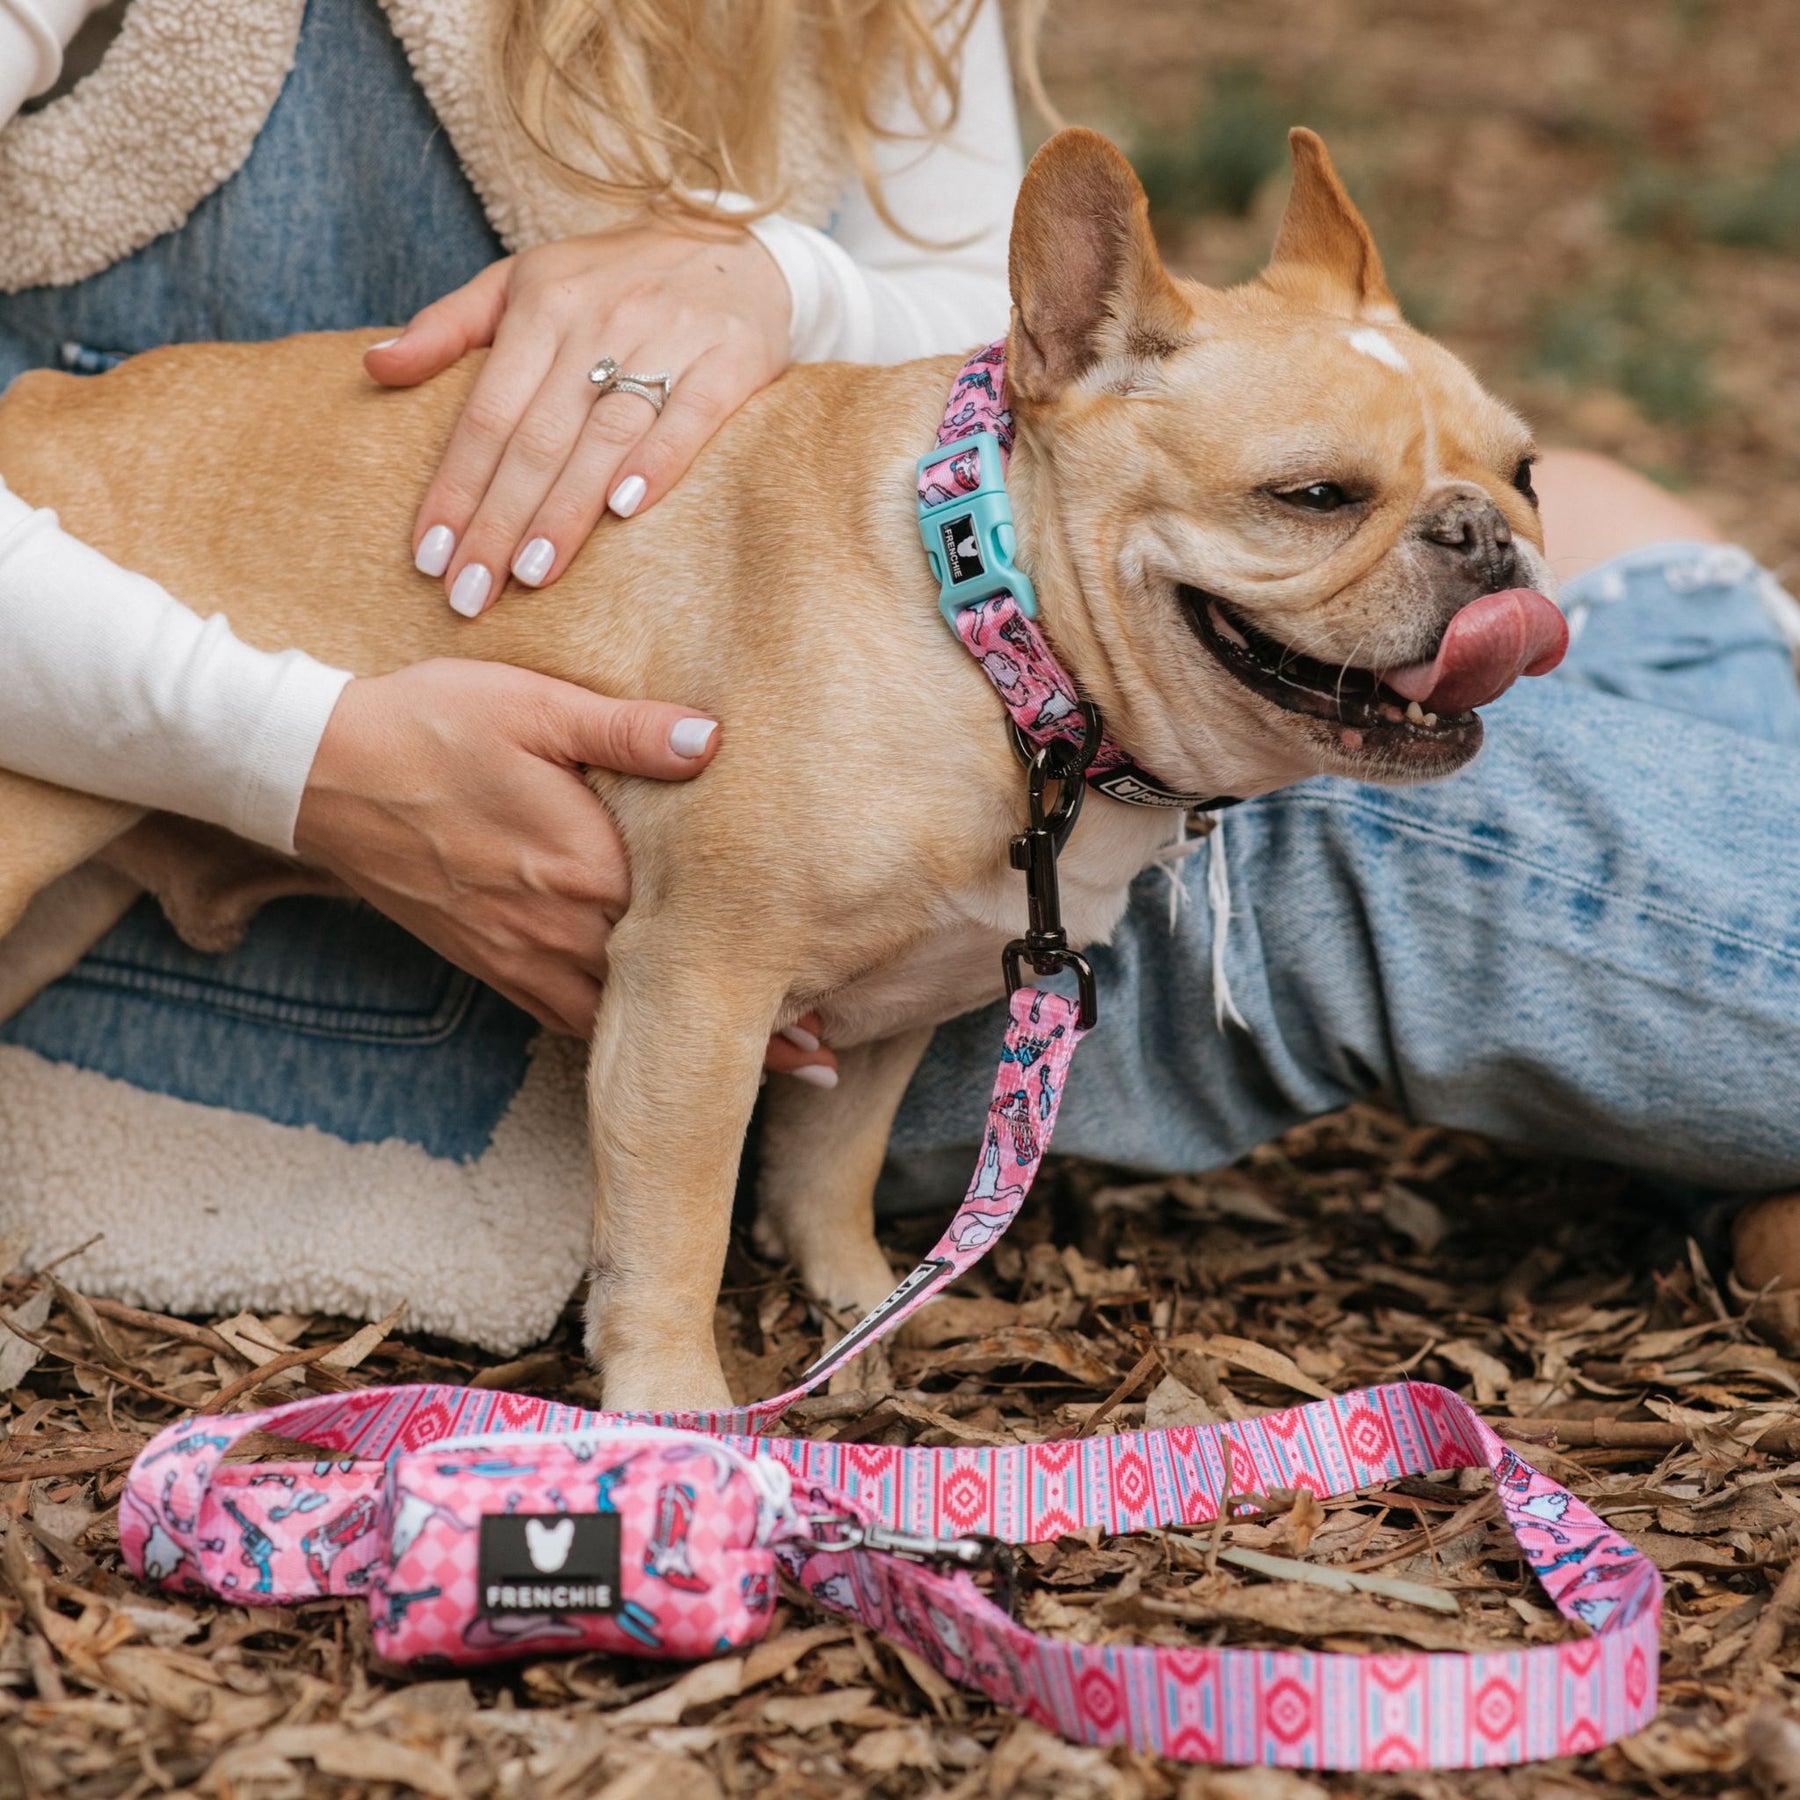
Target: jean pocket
x=327, y=968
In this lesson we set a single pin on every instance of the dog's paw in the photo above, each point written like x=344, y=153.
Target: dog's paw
x=665, y=1384
x=766, y=1239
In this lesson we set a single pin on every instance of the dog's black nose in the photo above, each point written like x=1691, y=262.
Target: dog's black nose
x=1475, y=531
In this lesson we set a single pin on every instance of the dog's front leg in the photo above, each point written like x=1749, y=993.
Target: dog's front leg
x=678, y=1050
x=821, y=1153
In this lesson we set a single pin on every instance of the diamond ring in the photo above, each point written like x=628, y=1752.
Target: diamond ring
x=654, y=388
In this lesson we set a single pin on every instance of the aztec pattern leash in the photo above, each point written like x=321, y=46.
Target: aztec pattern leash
x=400, y=1494
x=679, y=1520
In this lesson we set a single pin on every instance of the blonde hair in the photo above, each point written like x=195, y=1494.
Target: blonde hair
x=658, y=104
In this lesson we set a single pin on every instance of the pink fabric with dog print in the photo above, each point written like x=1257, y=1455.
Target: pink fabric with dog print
x=1011, y=648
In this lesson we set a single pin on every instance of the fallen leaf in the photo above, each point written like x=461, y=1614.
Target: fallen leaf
x=700, y=1686
x=1413, y=1216
x=893, y=1747
x=1343, y=1581
x=1068, y=1352
x=18, y=1358
x=355, y=1348
x=807, y=1712
x=1172, y=1402
x=1259, y=1359
x=1491, y=1376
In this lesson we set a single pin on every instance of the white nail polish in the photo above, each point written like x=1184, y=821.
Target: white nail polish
x=800, y=1038
x=532, y=563
x=470, y=589
x=385, y=344
x=435, y=549
x=689, y=737
x=819, y=1075
x=627, y=496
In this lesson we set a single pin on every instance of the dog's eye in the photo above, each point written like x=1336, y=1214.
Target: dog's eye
x=1316, y=496
x=1521, y=478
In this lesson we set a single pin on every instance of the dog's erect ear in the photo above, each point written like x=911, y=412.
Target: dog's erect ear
x=1087, y=284
x=1324, y=253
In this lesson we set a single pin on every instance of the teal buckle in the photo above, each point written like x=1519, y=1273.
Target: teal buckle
x=970, y=539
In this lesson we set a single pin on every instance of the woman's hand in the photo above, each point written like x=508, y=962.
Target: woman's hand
x=450, y=796
x=536, y=457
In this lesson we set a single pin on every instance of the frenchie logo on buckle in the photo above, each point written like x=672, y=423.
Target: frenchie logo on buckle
x=966, y=522
x=548, y=1563
x=962, y=549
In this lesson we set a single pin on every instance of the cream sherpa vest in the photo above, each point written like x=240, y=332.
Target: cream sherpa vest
x=175, y=107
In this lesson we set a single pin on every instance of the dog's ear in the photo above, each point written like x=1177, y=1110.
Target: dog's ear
x=1324, y=254
x=1087, y=284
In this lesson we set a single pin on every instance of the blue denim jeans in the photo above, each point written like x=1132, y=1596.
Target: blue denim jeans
x=1588, y=941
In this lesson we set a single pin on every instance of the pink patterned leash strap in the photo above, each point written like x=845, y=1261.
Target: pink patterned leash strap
x=265, y=1533
x=998, y=630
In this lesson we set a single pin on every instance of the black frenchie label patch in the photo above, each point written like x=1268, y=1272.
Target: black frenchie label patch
x=549, y=1563
x=962, y=548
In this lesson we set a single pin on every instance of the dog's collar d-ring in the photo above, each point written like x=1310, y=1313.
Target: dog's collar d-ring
x=965, y=519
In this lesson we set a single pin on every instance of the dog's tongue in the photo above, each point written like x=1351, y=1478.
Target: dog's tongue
x=1486, y=648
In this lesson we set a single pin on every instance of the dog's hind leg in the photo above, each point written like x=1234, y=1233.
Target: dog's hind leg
x=45, y=832
x=59, y=926
x=822, y=1150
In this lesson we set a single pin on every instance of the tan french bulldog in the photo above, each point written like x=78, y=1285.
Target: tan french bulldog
x=1241, y=510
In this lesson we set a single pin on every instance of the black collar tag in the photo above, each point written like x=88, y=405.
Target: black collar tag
x=549, y=1563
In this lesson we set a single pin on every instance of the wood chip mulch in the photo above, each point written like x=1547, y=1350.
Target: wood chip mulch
x=1592, y=1321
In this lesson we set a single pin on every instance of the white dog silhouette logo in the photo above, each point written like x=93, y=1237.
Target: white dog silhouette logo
x=549, y=1545
x=962, y=547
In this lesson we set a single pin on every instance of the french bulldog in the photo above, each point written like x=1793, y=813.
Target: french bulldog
x=1273, y=531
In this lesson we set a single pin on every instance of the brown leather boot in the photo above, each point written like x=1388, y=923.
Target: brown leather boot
x=1765, y=1246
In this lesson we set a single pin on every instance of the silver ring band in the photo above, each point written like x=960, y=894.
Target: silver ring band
x=654, y=388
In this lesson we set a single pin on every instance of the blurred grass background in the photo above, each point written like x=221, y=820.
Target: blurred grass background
x=1597, y=205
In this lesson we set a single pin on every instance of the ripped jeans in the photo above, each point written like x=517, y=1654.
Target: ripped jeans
x=1587, y=941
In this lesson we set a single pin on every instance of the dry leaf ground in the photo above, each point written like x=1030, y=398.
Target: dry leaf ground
x=1357, y=1250
x=1598, y=204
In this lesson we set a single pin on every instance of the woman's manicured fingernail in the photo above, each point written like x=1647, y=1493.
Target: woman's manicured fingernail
x=819, y=1075
x=469, y=591
x=627, y=496
x=800, y=1038
x=435, y=549
x=689, y=737
x=385, y=344
x=532, y=563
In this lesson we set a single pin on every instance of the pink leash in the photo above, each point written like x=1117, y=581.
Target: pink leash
x=680, y=1518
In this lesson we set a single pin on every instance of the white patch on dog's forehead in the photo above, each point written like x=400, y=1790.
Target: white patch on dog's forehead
x=1378, y=345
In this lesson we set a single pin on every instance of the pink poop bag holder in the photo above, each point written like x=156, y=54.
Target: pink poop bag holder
x=481, y=1526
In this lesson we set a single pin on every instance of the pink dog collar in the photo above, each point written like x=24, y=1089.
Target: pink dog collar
x=967, y=527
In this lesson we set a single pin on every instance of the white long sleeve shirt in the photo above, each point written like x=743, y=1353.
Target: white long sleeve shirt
x=109, y=684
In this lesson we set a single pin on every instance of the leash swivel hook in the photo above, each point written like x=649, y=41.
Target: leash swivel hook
x=1045, y=945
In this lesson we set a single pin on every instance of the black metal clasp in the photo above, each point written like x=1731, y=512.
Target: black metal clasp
x=1045, y=944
